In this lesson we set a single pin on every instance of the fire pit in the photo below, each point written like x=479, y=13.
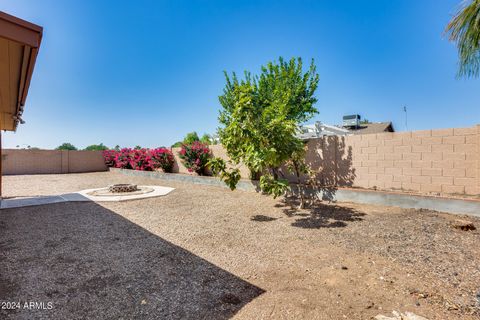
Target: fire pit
x=122, y=187
x=122, y=192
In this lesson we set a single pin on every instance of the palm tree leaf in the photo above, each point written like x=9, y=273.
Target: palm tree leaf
x=464, y=29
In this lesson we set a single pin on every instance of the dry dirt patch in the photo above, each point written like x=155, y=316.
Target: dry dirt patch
x=206, y=251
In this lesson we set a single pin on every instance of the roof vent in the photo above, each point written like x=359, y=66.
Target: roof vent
x=351, y=121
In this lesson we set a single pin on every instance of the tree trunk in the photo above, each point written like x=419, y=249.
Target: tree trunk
x=254, y=175
x=299, y=185
x=275, y=173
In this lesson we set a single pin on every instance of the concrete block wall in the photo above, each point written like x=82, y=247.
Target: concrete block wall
x=427, y=161
x=445, y=161
x=51, y=161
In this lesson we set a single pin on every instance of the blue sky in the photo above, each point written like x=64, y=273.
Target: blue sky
x=147, y=72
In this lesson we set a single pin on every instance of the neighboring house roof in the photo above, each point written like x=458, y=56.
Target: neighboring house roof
x=318, y=129
x=374, y=127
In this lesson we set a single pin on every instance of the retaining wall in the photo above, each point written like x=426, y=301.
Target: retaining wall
x=398, y=199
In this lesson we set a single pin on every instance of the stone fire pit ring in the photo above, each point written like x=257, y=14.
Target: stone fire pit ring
x=122, y=188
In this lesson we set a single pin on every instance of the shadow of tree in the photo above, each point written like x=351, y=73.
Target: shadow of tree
x=262, y=218
x=332, y=160
x=93, y=263
x=321, y=215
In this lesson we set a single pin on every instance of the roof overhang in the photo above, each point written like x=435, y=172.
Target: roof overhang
x=19, y=44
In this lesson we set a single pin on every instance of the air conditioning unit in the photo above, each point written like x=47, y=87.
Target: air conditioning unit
x=351, y=120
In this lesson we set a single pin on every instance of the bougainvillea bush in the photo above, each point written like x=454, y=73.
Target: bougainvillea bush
x=163, y=158
x=140, y=159
x=122, y=158
x=195, y=157
x=109, y=157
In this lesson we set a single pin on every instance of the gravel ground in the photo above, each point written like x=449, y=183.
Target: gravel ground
x=208, y=253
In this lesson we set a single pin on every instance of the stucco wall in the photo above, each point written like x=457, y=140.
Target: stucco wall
x=51, y=161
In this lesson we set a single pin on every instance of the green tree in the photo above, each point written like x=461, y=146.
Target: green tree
x=96, y=147
x=190, y=138
x=117, y=148
x=66, y=146
x=464, y=29
x=260, y=118
x=206, y=139
x=137, y=147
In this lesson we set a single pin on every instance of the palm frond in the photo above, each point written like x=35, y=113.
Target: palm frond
x=464, y=29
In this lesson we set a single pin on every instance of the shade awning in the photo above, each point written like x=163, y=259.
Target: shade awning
x=19, y=44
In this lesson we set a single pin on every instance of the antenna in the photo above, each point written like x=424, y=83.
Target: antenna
x=406, y=123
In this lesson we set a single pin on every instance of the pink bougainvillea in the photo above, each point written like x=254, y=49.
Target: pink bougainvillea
x=109, y=156
x=140, y=159
x=122, y=158
x=163, y=158
x=195, y=157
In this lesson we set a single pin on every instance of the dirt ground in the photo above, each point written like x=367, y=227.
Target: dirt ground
x=208, y=253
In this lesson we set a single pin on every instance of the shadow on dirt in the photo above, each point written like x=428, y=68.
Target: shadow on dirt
x=262, y=218
x=93, y=263
x=321, y=215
